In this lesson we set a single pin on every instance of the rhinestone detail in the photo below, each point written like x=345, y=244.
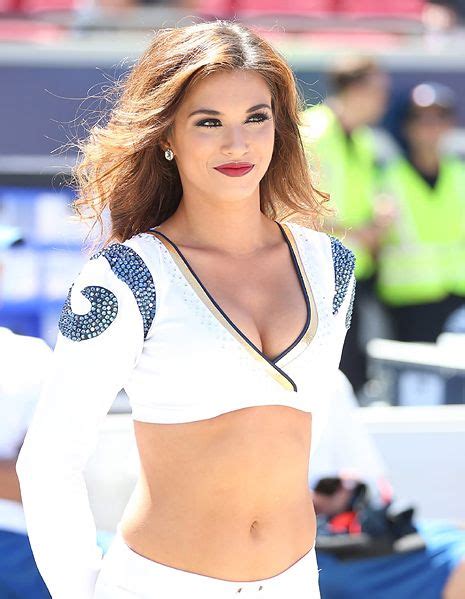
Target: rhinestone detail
x=103, y=311
x=351, y=306
x=344, y=264
x=129, y=267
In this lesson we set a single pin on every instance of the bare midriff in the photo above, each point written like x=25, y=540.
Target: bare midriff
x=226, y=497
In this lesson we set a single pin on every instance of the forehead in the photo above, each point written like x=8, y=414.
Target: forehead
x=430, y=111
x=238, y=89
x=378, y=79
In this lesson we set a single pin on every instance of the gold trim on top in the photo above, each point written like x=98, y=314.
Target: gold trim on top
x=311, y=331
x=217, y=314
x=271, y=365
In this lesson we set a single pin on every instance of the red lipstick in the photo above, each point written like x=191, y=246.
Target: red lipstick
x=235, y=169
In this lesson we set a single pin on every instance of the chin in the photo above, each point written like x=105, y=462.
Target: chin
x=236, y=195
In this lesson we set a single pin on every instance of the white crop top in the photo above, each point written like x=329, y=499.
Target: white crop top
x=138, y=317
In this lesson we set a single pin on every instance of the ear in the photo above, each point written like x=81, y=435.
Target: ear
x=166, y=141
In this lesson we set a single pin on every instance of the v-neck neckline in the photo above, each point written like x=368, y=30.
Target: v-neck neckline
x=305, y=336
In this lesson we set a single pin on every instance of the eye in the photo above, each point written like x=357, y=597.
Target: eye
x=261, y=116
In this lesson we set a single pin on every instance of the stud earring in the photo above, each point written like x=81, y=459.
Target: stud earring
x=169, y=155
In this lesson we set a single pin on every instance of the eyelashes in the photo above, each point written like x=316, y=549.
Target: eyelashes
x=261, y=115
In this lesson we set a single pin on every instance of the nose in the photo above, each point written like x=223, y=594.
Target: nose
x=235, y=142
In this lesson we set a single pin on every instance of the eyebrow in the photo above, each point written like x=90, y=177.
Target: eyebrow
x=211, y=111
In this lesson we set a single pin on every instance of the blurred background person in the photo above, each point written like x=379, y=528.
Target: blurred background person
x=429, y=564
x=23, y=364
x=341, y=146
x=421, y=262
x=443, y=15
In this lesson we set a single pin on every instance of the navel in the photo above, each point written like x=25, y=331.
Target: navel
x=254, y=525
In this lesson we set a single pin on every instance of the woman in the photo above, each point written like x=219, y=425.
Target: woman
x=223, y=325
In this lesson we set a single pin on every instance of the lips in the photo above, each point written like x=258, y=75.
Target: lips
x=235, y=170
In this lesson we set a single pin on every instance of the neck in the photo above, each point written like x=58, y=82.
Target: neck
x=426, y=160
x=346, y=114
x=237, y=228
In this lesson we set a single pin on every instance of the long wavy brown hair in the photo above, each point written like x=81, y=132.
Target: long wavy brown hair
x=121, y=170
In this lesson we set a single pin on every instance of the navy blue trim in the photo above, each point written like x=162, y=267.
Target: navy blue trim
x=307, y=300
x=246, y=339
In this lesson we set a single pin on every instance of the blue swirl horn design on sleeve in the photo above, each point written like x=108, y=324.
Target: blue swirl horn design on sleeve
x=344, y=264
x=103, y=311
x=129, y=267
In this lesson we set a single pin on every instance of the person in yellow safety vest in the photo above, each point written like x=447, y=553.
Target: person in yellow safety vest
x=421, y=263
x=340, y=148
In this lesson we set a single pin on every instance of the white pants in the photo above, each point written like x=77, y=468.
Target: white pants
x=125, y=574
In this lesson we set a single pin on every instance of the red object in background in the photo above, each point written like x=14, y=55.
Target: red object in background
x=36, y=6
x=9, y=6
x=315, y=8
x=247, y=7
x=18, y=7
x=375, y=8
x=345, y=522
x=19, y=30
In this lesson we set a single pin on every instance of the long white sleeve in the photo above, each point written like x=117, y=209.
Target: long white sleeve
x=96, y=349
x=346, y=447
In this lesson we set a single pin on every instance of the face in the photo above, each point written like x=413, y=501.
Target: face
x=226, y=117
x=427, y=126
x=370, y=97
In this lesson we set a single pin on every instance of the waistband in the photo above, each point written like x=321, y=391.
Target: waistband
x=138, y=574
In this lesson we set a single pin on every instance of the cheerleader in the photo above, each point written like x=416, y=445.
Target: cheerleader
x=221, y=308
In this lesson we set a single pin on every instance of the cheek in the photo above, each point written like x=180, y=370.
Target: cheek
x=198, y=140
x=429, y=134
x=374, y=105
x=381, y=97
x=441, y=131
x=265, y=137
x=196, y=148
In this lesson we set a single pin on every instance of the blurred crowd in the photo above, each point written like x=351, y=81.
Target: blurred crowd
x=433, y=16
x=399, y=206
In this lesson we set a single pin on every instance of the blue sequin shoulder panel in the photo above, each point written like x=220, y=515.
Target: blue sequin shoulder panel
x=129, y=267
x=344, y=264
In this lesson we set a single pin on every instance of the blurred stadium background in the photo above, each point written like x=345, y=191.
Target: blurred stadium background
x=56, y=57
